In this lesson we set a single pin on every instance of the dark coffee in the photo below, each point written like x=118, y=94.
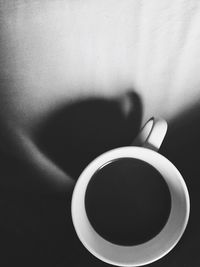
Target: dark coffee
x=127, y=201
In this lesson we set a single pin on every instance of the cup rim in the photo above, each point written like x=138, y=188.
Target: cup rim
x=174, y=227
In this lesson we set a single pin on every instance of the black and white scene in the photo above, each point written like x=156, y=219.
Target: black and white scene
x=99, y=133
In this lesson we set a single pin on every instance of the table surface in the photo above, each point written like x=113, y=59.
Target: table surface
x=36, y=230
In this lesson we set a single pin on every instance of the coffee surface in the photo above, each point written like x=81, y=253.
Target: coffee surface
x=127, y=201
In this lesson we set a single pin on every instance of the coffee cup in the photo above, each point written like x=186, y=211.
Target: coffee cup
x=130, y=205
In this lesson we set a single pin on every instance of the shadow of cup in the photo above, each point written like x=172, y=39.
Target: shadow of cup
x=74, y=135
x=67, y=140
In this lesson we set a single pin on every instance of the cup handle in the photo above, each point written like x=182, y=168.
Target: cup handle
x=152, y=134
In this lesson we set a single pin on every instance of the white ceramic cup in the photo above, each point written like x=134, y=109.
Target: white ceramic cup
x=150, y=137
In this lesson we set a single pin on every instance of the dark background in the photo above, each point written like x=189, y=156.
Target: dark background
x=36, y=229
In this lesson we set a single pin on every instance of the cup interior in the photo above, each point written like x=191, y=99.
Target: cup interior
x=156, y=247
